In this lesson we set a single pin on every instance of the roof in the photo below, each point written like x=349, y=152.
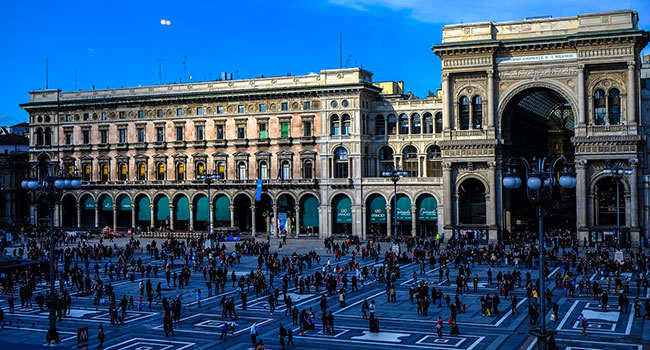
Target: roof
x=20, y=125
x=13, y=139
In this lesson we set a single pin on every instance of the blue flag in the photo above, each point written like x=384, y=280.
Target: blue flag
x=258, y=192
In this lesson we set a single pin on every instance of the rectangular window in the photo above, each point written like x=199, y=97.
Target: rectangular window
x=240, y=109
x=121, y=115
x=86, y=137
x=68, y=137
x=140, y=134
x=122, y=135
x=160, y=113
x=160, y=134
x=219, y=109
x=86, y=116
x=199, y=133
x=179, y=133
x=220, y=132
x=199, y=110
x=103, y=136
x=306, y=128
x=179, y=112
x=262, y=107
x=68, y=118
x=140, y=114
x=263, y=133
x=284, y=129
x=241, y=132
x=285, y=106
x=104, y=116
x=307, y=105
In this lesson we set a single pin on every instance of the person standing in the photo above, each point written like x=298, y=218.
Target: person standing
x=364, y=309
x=254, y=332
x=514, y=304
x=11, y=300
x=100, y=337
x=439, y=326
x=283, y=333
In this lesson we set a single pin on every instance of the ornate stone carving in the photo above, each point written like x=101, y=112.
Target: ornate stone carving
x=605, y=52
x=538, y=72
x=466, y=62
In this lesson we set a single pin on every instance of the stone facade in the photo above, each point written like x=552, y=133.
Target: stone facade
x=546, y=87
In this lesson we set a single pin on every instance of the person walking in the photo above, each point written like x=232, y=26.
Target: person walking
x=439, y=327
x=583, y=323
x=254, y=332
x=198, y=298
x=100, y=337
x=283, y=333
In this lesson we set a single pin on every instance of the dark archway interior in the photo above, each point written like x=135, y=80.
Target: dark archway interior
x=471, y=196
x=69, y=215
x=242, y=213
x=539, y=122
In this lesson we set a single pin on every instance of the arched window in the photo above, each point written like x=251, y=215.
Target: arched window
x=386, y=159
x=142, y=172
x=221, y=170
x=286, y=170
x=123, y=172
x=241, y=171
x=345, y=122
x=428, y=123
x=341, y=163
x=180, y=171
x=48, y=137
x=104, y=173
x=403, y=124
x=160, y=175
x=600, y=107
x=434, y=161
x=308, y=169
x=335, y=125
x=614, y=106
x=477, y=112
x=392, y=124
x=199, y=169
x=39, y=137
x=380, y=125
x=264, y=171
x=410, y=160
x=416, y=124
x=463, y=117
x=438, y=123
x=87, y=172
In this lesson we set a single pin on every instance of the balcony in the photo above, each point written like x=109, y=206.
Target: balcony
x=219, y=143
x=285, y=141
x=104, y=146
x=307, y=140
x=123, y=146
x=160, y=145
x=263, y=142
x=85, y=147
x=179, y=144
x=199, y=144
x=140, y=145
x=241, y=142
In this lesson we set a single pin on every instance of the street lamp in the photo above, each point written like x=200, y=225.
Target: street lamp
x=617, y=171
x=209, y=179
x=394, y=175
x=50, y=187
x=540, y=179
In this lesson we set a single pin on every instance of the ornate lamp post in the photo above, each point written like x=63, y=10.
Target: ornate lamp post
x=394, y=175
x=540, y=178
x=50, y=187
x=209, y=179
x=617, y=171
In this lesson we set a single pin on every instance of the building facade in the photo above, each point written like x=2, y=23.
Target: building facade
x=543, y=87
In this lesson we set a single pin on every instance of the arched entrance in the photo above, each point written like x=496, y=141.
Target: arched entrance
x=201, y=212
x=403, y=214
x=68, y=211
x=105, y=211
x=609, y=218
x=263, y=213
x=143, y=212
x=242, y=209
x=181, y=213
x=341, y=215
x=376, y=215
x=87, y=211
x=124, y=205
x=426, y=216
x=539, y=121
x=162, y=211
x=309, y=218
x=286, y=214
x=222, y=211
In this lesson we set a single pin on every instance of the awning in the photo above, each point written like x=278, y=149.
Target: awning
x=309, y=212
x=427, y=208
x=125, y=203
x=162, y=211
x=377, y=210
x=182, y=209
x=88, y=203
x=403, y=208
x=107, y=203
x=202, y=209
x=343, y=208
x=144, y=209
x=222, y=208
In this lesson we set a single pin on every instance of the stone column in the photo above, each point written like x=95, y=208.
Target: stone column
x=253, y=220
x=490, y=101
x=364, y=223
x=582, y=115
x=232, y=216
x=34, y=210
x=96, y=215
x=133, y=213
x=581, y=199
x=191, y=217
x=78, y=215
x=631, y=93
x=634, y=189
x=114, y=217
x=389, y=221
x=153, y=217
x=212, y=218
x=492, y=199
x=297, y=210
x=275, y=230
x=56, y=215
x=446, y=103
x=413, y=220
x=447, y=195
x=171, y=217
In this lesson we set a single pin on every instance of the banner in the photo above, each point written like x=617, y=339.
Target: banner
x=258, y=191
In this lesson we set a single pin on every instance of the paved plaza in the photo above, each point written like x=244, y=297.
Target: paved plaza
x=400, y=325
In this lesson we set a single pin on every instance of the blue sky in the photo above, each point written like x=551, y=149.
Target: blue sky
x=117, y=44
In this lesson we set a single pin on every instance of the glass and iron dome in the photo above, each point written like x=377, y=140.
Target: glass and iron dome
x=550, y=105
